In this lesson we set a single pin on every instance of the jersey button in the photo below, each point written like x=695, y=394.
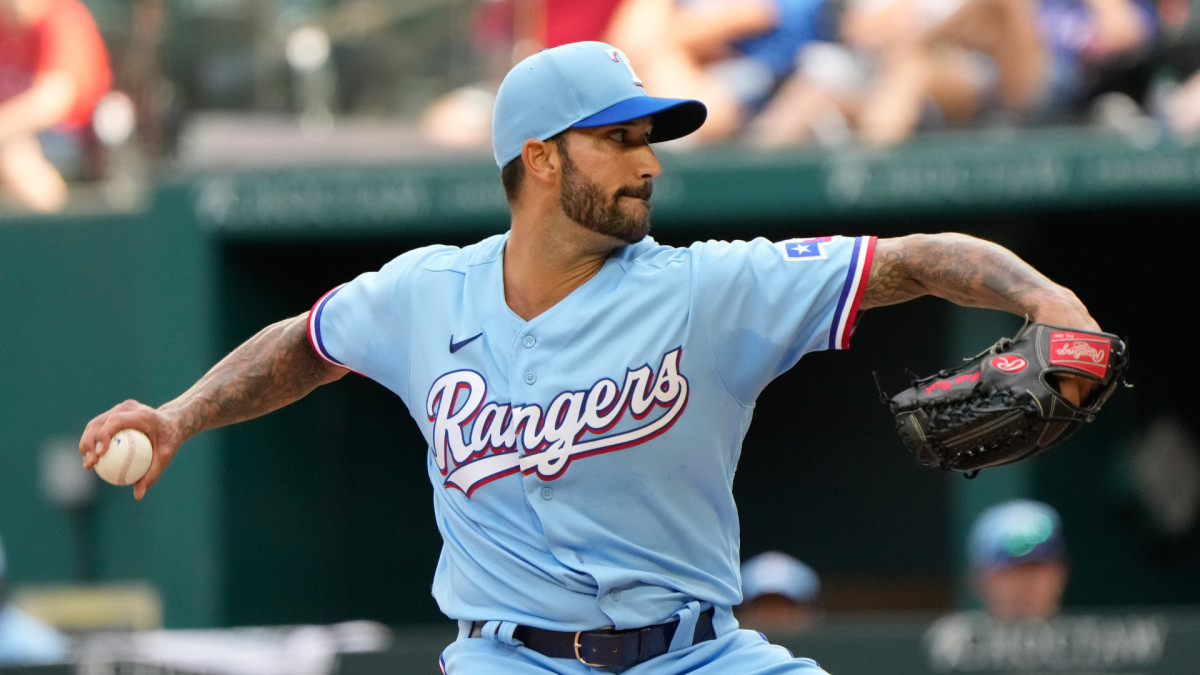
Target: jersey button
x=547, y=493
x=530, y=378
x=529, y=341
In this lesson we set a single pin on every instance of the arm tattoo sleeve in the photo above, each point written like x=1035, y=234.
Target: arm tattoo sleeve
x=267, y=372
x=961, y=269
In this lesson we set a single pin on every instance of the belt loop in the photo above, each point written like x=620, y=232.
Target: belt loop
x=504, y=633
x=684, y=633
x=500, y=631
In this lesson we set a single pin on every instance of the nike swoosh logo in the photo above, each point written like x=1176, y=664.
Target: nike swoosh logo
x=455, y=346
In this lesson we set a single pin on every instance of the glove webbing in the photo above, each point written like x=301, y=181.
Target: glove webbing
x=987, y=412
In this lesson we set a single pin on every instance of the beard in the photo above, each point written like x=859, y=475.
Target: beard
x=583, y=202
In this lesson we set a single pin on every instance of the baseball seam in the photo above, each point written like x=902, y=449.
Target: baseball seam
x=121, y=478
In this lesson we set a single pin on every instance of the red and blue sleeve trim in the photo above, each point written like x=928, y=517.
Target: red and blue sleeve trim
x=314, y=327
x=846, y=314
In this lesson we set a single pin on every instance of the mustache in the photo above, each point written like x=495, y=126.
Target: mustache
x=642, y=191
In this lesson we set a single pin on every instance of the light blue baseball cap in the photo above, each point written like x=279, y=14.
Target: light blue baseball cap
x=779, y=573
x=580, y=84
x=1015, y=532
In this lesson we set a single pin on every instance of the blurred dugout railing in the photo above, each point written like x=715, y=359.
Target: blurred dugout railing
x=1149, y=642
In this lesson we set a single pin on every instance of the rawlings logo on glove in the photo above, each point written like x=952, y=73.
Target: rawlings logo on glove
x=1003, y=405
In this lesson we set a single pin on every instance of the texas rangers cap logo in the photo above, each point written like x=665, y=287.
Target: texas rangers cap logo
x=1010, y=363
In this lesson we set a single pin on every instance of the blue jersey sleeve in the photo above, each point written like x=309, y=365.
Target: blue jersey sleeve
x=765, y=304
x=363, y=324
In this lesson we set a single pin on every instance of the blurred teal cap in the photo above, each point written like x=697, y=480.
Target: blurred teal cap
x=1015, y=532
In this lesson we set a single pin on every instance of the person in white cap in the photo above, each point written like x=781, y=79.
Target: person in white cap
x=779, y=593
x=584, y=390
x=25, y=640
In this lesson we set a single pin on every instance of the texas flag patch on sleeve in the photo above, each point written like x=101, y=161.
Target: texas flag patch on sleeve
x=800, y=250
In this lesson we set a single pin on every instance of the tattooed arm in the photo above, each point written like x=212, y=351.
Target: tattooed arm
x=969, y=272
x=267, y=372
x=974, y=273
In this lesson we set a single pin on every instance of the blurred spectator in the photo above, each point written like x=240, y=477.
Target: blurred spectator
x=1018, y=560
x=53, y=70
x=1183, y=109
x=1032, y=60
x=779, y=593
x=823, y=98
x=732, y=54
x=1174, y=97
x=503, y=33
x=1018, y=564
x=23, y=639
x=1018, y=567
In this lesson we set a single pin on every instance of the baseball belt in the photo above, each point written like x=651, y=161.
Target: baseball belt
x=607, y=647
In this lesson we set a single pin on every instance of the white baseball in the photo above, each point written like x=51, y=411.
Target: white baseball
x=127, y=459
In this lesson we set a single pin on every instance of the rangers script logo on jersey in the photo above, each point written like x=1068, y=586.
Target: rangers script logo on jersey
x=476, y=441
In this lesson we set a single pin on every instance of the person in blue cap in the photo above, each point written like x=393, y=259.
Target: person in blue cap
x=584, y=390
x=1018, y=560
x=779, y=593
x=25, y=640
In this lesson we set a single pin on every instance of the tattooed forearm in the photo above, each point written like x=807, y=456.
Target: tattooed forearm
x=889, y=282
x=966, y=271
x=270, y=370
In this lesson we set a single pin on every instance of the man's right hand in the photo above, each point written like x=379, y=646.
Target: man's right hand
x=132, y=415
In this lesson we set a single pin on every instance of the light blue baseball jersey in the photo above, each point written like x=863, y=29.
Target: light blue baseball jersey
x=582, y=462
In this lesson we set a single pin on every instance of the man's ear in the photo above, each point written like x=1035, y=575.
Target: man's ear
x=541, y=160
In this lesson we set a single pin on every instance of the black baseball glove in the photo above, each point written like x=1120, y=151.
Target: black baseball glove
x=1003, y=406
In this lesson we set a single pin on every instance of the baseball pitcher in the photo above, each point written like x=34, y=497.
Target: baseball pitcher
x=584, y=390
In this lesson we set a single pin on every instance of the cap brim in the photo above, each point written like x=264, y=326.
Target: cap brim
x=673, y=117
x=1040, y=554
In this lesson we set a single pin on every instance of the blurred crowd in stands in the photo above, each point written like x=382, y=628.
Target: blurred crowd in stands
x=53, y=71
x=780, y=73
x=774, y=73
x=59, y=112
